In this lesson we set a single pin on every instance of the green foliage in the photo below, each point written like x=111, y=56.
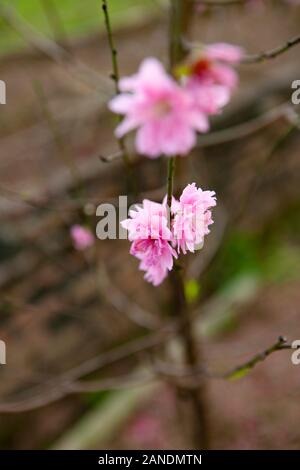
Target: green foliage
x=192, y=290
x=95, y=398
x=240, y=373
x=78, y=17
x=272, y=256
x=239, y=255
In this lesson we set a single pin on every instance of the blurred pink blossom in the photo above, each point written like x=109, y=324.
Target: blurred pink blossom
x=208, y=99
x=82, y=237
x=212, y=65
x=146, y=430
x=160, y=109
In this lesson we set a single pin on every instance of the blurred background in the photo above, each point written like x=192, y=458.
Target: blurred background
x=63, y=312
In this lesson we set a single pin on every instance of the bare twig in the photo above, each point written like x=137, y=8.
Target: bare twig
x=245, y=129
x=180, y=18
x=193, y=376
x=61, y=147
x=116, y=77
x=281, y=344
x=219, y=3
x=273, y=53
x=65, y=384
x=51, y=49
x=55, y=21
x=112, y=157
x=122, y=303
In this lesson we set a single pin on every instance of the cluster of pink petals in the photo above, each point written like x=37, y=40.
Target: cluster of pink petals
x=82, y=237
x=156, y=240
x=213, y=65
x=192, y=218
x=151, y=240
x=166, y=115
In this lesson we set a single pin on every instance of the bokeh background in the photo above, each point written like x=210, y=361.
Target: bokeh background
x=60, y=309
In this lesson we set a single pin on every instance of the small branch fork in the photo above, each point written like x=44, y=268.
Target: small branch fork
x=281, y=344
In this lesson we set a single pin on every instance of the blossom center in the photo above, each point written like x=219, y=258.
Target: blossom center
x=200, y=67
x=162, y=108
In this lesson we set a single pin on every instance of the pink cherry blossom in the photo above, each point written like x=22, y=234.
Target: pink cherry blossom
x=160, y=109
x=154, y=238
x=209, y=99
x=151, y=240
x=224, y=52
x=82, y=237
x=212, y=64
x=192, y=218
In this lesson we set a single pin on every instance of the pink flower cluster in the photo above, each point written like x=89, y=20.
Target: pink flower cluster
x=157, y=237
x=167, y=114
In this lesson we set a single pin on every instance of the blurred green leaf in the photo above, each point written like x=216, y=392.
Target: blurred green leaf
x=238, y=374
x=192, y=290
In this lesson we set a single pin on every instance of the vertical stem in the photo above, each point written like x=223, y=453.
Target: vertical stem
x=180, y=19
x=116, y=76
x=196, y=404
x=170, y=178
x=180, y=15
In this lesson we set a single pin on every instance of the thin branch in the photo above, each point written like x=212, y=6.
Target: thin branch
x=243, y=369
x=69, y=382
x=58, y=139
x=273, y=53
x=170, y=178
x=122, y=303
x=54, y=390
x=55, y=22
x=261, y=168
x=111, y=158
x=69, y=388
x=219, y=3
x=191, y=377
x=239, y=131
x=116, y=77
x=51, y=49
x=246, y=128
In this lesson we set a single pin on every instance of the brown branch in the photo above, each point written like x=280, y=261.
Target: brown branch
x=122, y=303
x=51, y=49
x=69, y=388
x=191, y=377
x=281, y=344
x=67, y=383
x=55, y=22
x=273, y=53
x=219, y=3
x=245, y=129
x=187, y=377
x=116, y=77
